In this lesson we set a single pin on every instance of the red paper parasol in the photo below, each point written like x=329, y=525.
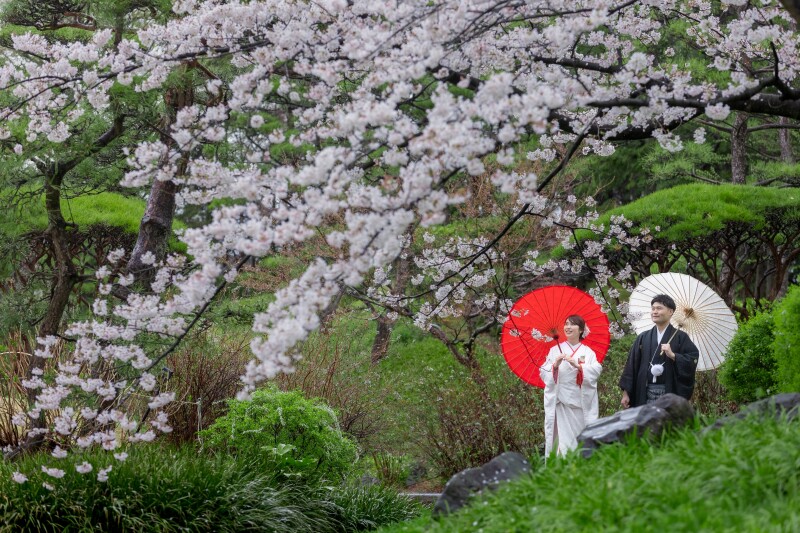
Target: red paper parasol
x=537, y=320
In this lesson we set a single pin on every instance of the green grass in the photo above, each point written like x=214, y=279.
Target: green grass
x=109, y=209
x=744, y=477
x=161, y=489
x=104, y=208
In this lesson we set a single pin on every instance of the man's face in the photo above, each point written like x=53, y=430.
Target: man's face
x=660, y=314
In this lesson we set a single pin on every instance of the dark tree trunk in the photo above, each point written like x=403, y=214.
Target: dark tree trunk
x=327, y=314
x=154, y=229
x=739, y=149
x=156, y=225
x=380, y=346
x=793, y=7
x=785, y=141
x=65, y=279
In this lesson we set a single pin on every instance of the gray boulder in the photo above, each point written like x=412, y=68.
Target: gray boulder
x=670, y=410
x=777, y=405
x=368, y=480
x=471, y=481
x=417, y=473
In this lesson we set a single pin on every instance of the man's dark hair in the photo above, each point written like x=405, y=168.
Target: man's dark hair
x=664, y=300
x=576, y=320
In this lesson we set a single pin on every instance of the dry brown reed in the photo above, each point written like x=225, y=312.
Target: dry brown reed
x=14, y=364
x=327, y=373
x=204, y=373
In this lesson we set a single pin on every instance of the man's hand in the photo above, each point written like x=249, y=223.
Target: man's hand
x=667, y=349
x=626, y=400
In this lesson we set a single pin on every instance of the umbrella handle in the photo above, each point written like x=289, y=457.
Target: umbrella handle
x=671, y=337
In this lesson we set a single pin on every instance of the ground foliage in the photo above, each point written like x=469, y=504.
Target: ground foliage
x=175, y=489
x=742, y=477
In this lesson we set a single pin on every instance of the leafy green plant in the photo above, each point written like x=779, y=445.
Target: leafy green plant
x=748, y=372
x=391, y=469
x=787, y=341
x=295, y=436
x=369, y=507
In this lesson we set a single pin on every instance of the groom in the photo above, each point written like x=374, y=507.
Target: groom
x=659, y=362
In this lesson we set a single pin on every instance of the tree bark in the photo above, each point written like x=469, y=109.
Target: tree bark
x=326, y=315
x=380, y=346
x=785, y=141
x=793, y=7
x=154, y=230
x=65, y=279
x=739, y=149
x=156, y=225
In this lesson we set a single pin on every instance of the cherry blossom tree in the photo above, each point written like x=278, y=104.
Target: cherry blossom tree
x=366, y=113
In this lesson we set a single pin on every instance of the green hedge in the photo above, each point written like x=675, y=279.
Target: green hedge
x=787, y=341
x=699, y=209
x=748, y=372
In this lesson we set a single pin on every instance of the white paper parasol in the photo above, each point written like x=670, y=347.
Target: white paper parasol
x=700, y=312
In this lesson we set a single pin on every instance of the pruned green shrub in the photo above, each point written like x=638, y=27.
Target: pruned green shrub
x=295, y=436
x=748, y=372
x=787, y=341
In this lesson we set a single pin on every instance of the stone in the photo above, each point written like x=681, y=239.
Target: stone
x=467, y=483
x=777, y=405
x=416, y=473
x=669, y=411
x=368, y=480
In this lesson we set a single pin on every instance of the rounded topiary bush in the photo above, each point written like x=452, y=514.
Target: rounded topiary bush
x=787, y=341
x=748, y=372
x=293, y=435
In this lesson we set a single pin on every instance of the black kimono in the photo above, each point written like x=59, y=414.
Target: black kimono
x=678, y=376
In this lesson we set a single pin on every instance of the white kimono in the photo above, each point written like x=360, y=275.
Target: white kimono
x=569, y=407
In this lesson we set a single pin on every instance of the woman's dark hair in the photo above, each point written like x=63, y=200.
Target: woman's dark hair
x=576, y=320
x=664, y=300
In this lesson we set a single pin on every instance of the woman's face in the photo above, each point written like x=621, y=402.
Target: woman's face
x=572, y=331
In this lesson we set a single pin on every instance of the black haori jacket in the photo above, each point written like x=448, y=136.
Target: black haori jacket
x=678, y=374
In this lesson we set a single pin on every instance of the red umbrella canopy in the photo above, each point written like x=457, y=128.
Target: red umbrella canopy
x=536, y=322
